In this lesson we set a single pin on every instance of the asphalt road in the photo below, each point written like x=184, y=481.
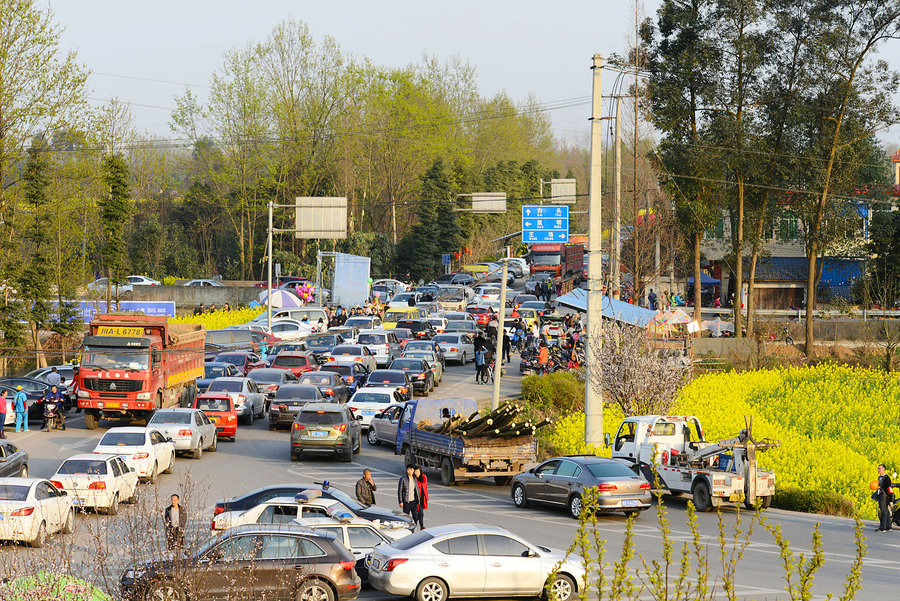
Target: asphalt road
x=260, y=457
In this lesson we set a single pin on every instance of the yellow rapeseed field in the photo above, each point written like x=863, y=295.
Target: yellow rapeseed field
x=220, y=319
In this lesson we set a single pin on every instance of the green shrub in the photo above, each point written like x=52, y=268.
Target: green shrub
x=813, y=501
x=558, y=392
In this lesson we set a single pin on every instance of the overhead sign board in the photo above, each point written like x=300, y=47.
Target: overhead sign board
x=562, y=191
x=321, y=217
x=489, y=202
x=545, y=223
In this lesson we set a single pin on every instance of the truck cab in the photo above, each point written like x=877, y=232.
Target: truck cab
x=432, y=411
x=642, y=440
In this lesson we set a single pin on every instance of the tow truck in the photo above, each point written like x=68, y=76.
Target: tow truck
x=673, y=451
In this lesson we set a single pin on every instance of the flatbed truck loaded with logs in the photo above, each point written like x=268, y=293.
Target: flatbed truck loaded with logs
x=132, y=365
x=454, y=438
x=673, y=450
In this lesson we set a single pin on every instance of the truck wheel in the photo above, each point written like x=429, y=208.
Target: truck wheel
x=702, y=496
x=408, y=456
x=764, y=503
x=448, y=478
x=90, y=419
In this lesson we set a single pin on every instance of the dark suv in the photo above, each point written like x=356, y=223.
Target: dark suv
x=274, y=561
x=421, y=329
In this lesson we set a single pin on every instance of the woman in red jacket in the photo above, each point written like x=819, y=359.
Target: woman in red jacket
x=422, y=482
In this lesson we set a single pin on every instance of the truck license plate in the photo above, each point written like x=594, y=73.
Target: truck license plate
x=630, y=503
x=113, y=405
x=318, y=434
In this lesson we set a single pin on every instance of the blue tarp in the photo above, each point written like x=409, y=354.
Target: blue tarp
x=705, y=280
x=612, y=308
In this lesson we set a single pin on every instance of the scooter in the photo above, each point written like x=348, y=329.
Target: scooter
x=53, y=417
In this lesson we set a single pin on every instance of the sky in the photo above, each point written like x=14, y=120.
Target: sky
x=520, y=47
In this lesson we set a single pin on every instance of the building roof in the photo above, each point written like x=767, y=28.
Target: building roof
x=779, y=269
x=612, y=308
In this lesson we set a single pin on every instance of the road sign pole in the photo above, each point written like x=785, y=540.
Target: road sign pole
x=501, y=319
x=269, y=281
x=593, y=393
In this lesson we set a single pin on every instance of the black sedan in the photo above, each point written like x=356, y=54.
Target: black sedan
x=331, y=385
x=419, y=373
x=561, y=481
x=34, y=390
x=354, y=374
x=392, y=378
x=323, y=344
x=369, y=512
x=13, y=460
x=270, y=379
x=213, y=370
x=288, y=402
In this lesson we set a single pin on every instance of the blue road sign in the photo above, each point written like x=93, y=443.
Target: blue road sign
x=545, y=223
x=445, y=259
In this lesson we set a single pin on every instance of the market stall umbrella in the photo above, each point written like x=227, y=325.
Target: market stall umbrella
x=281, y=299
x=718, y=326
x=47, y=585
x=677, y=316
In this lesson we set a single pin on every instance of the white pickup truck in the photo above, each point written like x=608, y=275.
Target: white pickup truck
x=685, y=462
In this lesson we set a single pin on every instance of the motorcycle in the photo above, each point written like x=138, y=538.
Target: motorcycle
x=54, y=418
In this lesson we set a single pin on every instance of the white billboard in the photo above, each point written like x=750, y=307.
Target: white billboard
x=350, y=286
x=562, y=191
x=489, y=202
x=321, y=217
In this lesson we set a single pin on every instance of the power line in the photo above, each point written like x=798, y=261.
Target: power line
x=166, y=81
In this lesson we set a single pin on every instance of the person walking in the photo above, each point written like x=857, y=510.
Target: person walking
x=884, y=494
x=422, y=483
x=408, y=494
x=53, y=378
x=365, y=488
x=479, y=364
x=507, y=346
x=3, y=403
x=20, y=403
x=651, y=299
x=174, y=521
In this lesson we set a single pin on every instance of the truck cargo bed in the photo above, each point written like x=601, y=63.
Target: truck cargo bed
x=522, y=448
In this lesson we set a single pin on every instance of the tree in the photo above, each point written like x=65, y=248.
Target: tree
x=115, y=211
x=884, y=265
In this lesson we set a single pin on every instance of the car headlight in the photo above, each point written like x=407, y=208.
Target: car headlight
x=143, y=396
x=83, y=394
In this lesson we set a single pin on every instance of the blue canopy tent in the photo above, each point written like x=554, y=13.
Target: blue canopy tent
x=612, y=308
x=705, y=280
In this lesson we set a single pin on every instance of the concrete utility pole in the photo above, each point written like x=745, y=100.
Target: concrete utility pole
x=501, y=324
x=593, y=395
x=617, y=225
x=269, y=282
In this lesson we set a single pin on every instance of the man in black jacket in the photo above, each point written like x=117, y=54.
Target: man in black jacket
x=408, y=494
x=365, y=488
x=175, y=520
x=885, y=497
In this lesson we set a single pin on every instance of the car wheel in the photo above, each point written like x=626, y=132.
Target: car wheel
x=295, y=456
x=41, y=538
x=372, y=437
x=347, y=455
x=215, y=445
x=562, y=588
x=171, y=466
x=314, y=590
x=702, y=496
x=575, y=506
x=198, y=452
x=463, y=360
x=23, y=473
x=518, y=495
x=432, y=589
x=154, y=474
x=164, y=591
x=69, y=526
x=113, y=509
x=272, y=426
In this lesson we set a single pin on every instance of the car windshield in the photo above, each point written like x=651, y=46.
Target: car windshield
x=351, y=351
x=13, y=492
x=408, y=542
x=98, y=357
x=213, y=404
x=524, y=298
x=371, y=339
x=403, y=333
x=94, y=467
x=450, y=338
x=407, y=364
x=267, y=377
x=345, y=499
x=281, y=348
x=371, y=397
x=319, y=379
x=226, y=386
x=403, y=296
x=214, y=371
x=344, y=370
x=290, y=361
x=386, y=377
x=545, y=259
x=323, y=418
x=233, y=359
x=460, y=326
x=609, y=470
x=322, y=342
x=358, y=322
x=297, y=392
x=171, y=417
x=476, y=310
x=419, y=345
x=122, y=439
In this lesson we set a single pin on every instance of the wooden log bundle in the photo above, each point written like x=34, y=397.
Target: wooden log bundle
x=501, y=423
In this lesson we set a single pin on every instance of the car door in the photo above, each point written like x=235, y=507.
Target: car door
x=459, y=562
x=361, y=540
x=512, y=568
x=209, y=428
x=200, y=435
x=163, y=450
x=129, y=478
x=49, y=505
x=560, y=484
x=226, y=570
x=6, y=469
x=537, y=486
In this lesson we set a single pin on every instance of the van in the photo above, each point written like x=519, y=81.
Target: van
x=231, y=339
x=313, y=314
x=396, y=314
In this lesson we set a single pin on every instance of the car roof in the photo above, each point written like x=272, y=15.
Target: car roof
x=128, y=430
x=85, y=456
x=449, y=529
x=368, y=389
x=286, y=528
x=373, y=331
x=326, y=407
x=267, y=370
x=21, y=481
x=305, y=353
x=180, y=409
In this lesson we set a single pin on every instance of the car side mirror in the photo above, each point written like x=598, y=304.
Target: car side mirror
x=607, y=439
x=359, y=418
x=157, y=356
x=531, y=553
x=169, y=439
x=63, y=493
x=132, y=469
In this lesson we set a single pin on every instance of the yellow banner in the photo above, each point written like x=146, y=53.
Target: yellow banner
x=119, y=331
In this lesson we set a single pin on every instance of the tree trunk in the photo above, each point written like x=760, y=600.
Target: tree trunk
x=40, y=359
x=751, y=285
x=697, y=286
x=739, y=260
x=810, y=297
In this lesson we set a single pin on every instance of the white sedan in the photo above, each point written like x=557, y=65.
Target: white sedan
x=31, y=509
x=354, y=353
x=97, y=481
x=291, y=329
x=144, y=449
x=283, y=510
x=370, y=401
x=204, y=283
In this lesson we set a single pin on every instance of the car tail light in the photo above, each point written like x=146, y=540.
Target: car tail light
x=390, y=565
x=354, y=409
x=273, y=387
x=329, y=390
x=421, y=377
x=332, y=359
x=454, y=350
x=339, y=427
x=241, y=398
x=298, y=426
x=348, y=565
x=184, y=433
x=350, y=379
x=97, y=486
x=21, y=513
x=403, y=390
x=279, y=407
x=57, y=484
x=420, y=333
x=645, y=486
x=358, y=359
x=607, y=487
x=140, y=455
x=219, y=509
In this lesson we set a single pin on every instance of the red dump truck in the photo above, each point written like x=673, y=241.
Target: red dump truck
x=132, y=365
x=559, y=260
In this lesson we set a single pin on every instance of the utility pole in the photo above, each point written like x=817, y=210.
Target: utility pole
x=593, y=393
x=269, y=281
x=501, y=324
x=617, y=225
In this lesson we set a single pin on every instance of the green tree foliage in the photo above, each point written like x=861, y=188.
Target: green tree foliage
x=884, y=267
x=115, y=212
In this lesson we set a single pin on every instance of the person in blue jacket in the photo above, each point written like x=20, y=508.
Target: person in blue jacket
x=20, y=404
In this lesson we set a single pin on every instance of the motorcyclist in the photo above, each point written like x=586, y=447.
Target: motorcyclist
x=54, y=401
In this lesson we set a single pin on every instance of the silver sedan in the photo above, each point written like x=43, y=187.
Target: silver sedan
x=189, y=429
x=466, y=560
x=456, y=347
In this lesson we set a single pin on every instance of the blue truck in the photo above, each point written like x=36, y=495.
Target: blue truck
x=459, y=458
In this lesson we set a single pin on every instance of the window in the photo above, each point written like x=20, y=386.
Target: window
x=717, y=230
x=788, y=227
x=116, y=470
x=548, y=468
x=503, y=546
x=42, y=492
x=197, y=420
x=663, y=429
x=310, y=549
x=314, y=512
x=363, y=538
x=610, y=470
x=568, y=469
x=238, y=548
x=625, y=434
x=278, y=547
x=277, y=514
x=461, y=545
